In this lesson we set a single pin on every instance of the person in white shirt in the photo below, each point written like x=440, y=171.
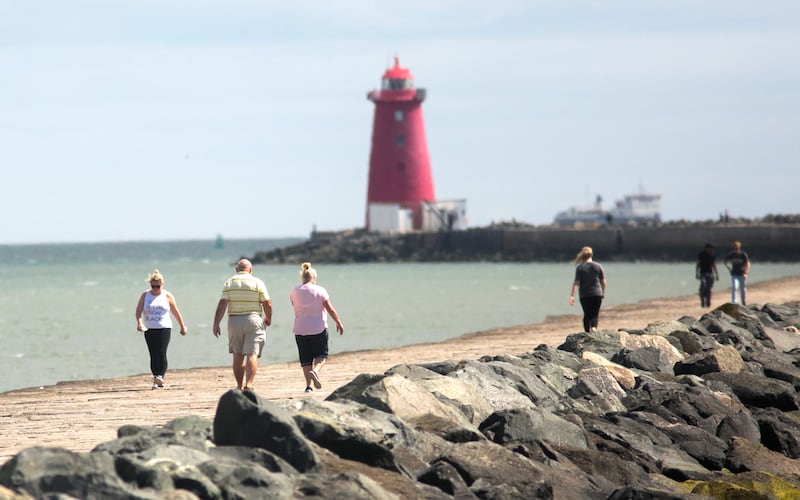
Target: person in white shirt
x=153, y=318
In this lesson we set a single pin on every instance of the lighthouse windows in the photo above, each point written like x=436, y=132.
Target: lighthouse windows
x=398, y=115
x=397, y=83
x=400, y=140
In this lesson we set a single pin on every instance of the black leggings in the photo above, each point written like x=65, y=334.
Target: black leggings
x=157, y=341
x=591, y=311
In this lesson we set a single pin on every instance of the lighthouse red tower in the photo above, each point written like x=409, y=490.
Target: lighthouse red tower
x=399, y=166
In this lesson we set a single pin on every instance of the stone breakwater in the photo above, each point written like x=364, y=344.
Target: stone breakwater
x=692, y=408
x=523, y=243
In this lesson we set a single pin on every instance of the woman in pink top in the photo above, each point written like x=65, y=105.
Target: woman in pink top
x=312, y=305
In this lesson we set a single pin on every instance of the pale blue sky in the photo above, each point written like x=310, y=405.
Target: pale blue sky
x=132, y=120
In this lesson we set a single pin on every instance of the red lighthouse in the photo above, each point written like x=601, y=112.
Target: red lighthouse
x=399, y=166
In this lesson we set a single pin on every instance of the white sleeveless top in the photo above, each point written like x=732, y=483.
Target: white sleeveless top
x=156, y=310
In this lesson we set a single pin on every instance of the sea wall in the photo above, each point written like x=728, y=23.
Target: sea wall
x=768, y=243
x=680, y=243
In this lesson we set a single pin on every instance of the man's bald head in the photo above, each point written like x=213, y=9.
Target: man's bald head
x=244, y=265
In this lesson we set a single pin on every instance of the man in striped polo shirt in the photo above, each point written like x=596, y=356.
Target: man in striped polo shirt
x=244, y=297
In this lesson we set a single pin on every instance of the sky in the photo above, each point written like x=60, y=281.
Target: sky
x=183, y=119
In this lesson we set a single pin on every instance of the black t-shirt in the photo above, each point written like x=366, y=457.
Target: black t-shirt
x=705, y=262
x=589, y=275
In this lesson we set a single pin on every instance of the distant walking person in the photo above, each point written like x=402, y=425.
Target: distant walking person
x=738, y=263
x=590, y=280
x=244, y=297
x=706, y=271
x=153, y=318
x=312, y=304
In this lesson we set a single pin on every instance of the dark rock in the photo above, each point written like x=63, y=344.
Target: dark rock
x=530, y=425
x=243, y=419
x=783, y=314
x=256, y=456
x=780, y=431
x=243, y=479
x=775, y=365
x=190, y=432
x=445, y=477
x=441, y=367
x=48, y=472
x=547, y=358
x=489, y=464
x=745, y=455
x=365, y=389
x=356, y=432
x=349, y=485
x=603, y=342
x=741, y=425
x=649, y=359
x=701, y=445
x=611, y=463
x=759, y=391
x=650, y=493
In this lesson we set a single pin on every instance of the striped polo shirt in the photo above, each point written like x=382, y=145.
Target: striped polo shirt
x=244, y=293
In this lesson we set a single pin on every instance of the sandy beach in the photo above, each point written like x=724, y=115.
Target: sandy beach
x=79, y=415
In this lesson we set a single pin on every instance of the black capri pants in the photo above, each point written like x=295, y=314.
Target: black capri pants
x=310, y=347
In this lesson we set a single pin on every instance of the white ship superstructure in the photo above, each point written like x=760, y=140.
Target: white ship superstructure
x=639, y=208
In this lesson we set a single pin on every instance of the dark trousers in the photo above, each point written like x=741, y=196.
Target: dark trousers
x=706, y=283
x=591, y=311
x=157, y=341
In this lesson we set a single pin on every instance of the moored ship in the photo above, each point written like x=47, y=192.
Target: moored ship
x=639, y=208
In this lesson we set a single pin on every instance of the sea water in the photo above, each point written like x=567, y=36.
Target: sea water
x=67, y=310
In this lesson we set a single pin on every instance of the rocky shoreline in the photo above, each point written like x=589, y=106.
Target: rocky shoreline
x=691, y=408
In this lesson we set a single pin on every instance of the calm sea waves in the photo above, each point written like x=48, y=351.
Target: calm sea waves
x=67, y=310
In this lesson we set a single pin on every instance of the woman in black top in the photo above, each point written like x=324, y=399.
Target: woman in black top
x=591, y=283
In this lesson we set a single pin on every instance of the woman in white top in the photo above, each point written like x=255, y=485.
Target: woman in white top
x=312, y=305
x=153, y=318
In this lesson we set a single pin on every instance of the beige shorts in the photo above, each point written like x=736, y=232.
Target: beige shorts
x=246, y=334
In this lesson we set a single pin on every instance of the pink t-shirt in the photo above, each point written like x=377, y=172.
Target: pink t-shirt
x=310, y=315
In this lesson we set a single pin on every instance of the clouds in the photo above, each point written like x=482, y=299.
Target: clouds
x=114, y=113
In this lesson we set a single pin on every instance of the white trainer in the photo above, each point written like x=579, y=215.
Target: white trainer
x=315, y=379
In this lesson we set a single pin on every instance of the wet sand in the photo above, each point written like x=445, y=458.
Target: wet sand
x=81, y=414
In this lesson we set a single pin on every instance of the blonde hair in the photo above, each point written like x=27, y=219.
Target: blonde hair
x=307, y=273
x=584, y=255
x=155, y=276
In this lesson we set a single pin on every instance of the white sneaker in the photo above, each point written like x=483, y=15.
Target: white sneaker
x=315, y=379
x=159, y=381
